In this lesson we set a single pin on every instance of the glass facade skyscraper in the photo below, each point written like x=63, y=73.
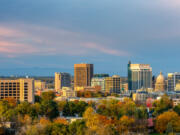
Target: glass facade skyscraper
x=139, y=76
x=173, y=79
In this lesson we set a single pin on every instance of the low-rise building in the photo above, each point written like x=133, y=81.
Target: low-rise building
x=20, y=89
x=68, y=92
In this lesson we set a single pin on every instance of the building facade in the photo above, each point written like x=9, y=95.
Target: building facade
x=83, y=74
x=98, y=82
x=139, y=76
x=173, y=79
x=62, y=80
x=21, y=89
x=160, y=83
x=39, y=85
x=113, y=84
x=67, y=92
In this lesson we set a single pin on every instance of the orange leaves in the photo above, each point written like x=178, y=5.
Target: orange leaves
x=124, y=124
x=166, y=118
x=12, y=102
x=61, y=121
x=44, y=121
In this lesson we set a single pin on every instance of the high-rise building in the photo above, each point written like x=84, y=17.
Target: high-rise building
x=21, y=89
x=173, y=79
x=113, y=84
x=98, y=81
x=62, y=80
x=139, y=76
x=83, y=74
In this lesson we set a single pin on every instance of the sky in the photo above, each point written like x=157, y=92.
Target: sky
x=40, y=37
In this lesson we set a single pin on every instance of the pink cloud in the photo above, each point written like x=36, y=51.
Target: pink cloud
x=9, y=32
x=30, y=39
x=15, y=48
x=106, y=50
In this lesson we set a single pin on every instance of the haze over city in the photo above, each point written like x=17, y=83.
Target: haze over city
x=44, y=36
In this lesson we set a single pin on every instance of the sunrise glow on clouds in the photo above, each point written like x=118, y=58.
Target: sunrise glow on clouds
x=98, y=32
x=48, y=41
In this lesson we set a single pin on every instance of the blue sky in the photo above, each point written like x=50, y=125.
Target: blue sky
x=52, y=35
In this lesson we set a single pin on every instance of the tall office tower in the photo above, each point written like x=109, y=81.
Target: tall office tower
x=173, y=79
x=62, y=80
x=98, y=81
x=113, y=84
x=83, y=74
x=21, y=89
x=139, y=76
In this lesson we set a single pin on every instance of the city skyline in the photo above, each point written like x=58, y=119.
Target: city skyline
x=55, y=35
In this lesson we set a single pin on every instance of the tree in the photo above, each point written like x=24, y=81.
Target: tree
x=61, y=105
x=7, y=113
x=162, y=105
x=37, y=99
x=56, y=129
x=34, y=110
x=12, y=102
x=23, y=108
x=69, y=109
x=129, y=107
x=81, y=107
x=78, y=127
x=61, y=121
x=110, y=108
x=124, y=125
x=49, y=108
x=177, y=109
x=98, y=124
x=163, y=120
x=50, y=95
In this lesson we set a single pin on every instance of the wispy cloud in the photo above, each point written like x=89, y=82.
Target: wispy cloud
x=106, y=50
x=32, y=39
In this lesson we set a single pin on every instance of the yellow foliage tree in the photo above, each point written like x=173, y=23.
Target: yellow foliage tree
x=61, y=121
x=166, y=118
x=124, y=124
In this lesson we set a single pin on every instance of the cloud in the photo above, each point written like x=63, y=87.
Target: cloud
x=32, y=39
x=106, y=50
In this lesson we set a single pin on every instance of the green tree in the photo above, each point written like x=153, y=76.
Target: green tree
x=78, y=127
x=57, y=129
x=49, y=108
x=7, y=113
x=23, y=108
x=177, y=109
x=34, y=110
x=162, y=105
x=69, y=109
x=81, y=107
x=50, y=95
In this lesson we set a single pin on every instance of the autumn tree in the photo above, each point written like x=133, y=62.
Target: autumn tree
x=124, y=125
x=163, y=120
x=50, y=95
x=78, y=127
x=162, y=105
x=7, y=113
x=98, y=124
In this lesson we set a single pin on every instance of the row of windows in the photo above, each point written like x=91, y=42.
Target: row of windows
x=10, y=95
